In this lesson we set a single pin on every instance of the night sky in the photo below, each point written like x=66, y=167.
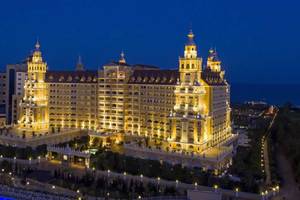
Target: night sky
x=258, y=40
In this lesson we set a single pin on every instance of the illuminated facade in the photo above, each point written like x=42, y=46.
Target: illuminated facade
x=185, y=110
x=112, y=94
x=34, y=106
x=201, y=115
x=72, y=99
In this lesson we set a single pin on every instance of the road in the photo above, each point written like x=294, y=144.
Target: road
x=268, y=181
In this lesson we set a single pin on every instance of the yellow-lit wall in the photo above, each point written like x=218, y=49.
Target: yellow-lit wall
x=147, y=110
x=111, y=98
x=34, y=106
x=73, y=105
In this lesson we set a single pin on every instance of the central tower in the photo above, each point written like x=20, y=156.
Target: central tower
x=188, y=119
x=34, y=106
x=190, y=66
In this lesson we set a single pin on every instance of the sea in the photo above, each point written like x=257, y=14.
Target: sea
x=276, y=94
x=6, y=198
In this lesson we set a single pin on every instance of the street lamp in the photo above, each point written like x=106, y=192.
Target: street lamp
x=237, y=192
x=274, y=190
x=262, y=195
x=215, y=187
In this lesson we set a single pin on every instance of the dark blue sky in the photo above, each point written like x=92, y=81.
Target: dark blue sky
x=258, y=40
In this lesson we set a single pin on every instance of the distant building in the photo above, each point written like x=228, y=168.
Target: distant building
x=2, y=116
x=15, y=79
x=2, y=88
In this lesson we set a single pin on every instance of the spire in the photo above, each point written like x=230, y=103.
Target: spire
x=37, y=45
x=79, y=65
x=190, y=49
x=191, y=38
x=213, y=55
x=213, y=61
x=36, y=54
x=122, y=58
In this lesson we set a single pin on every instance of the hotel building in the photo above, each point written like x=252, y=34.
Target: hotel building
x=187, y=109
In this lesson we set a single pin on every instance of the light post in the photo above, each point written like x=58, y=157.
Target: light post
x=142, y=179
x=216, y=188
x=274, y=191
x=108, y=172
x=158, y=179
x=266, y=194
x=14, y=168
x=236, y=192
x=262, y=195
